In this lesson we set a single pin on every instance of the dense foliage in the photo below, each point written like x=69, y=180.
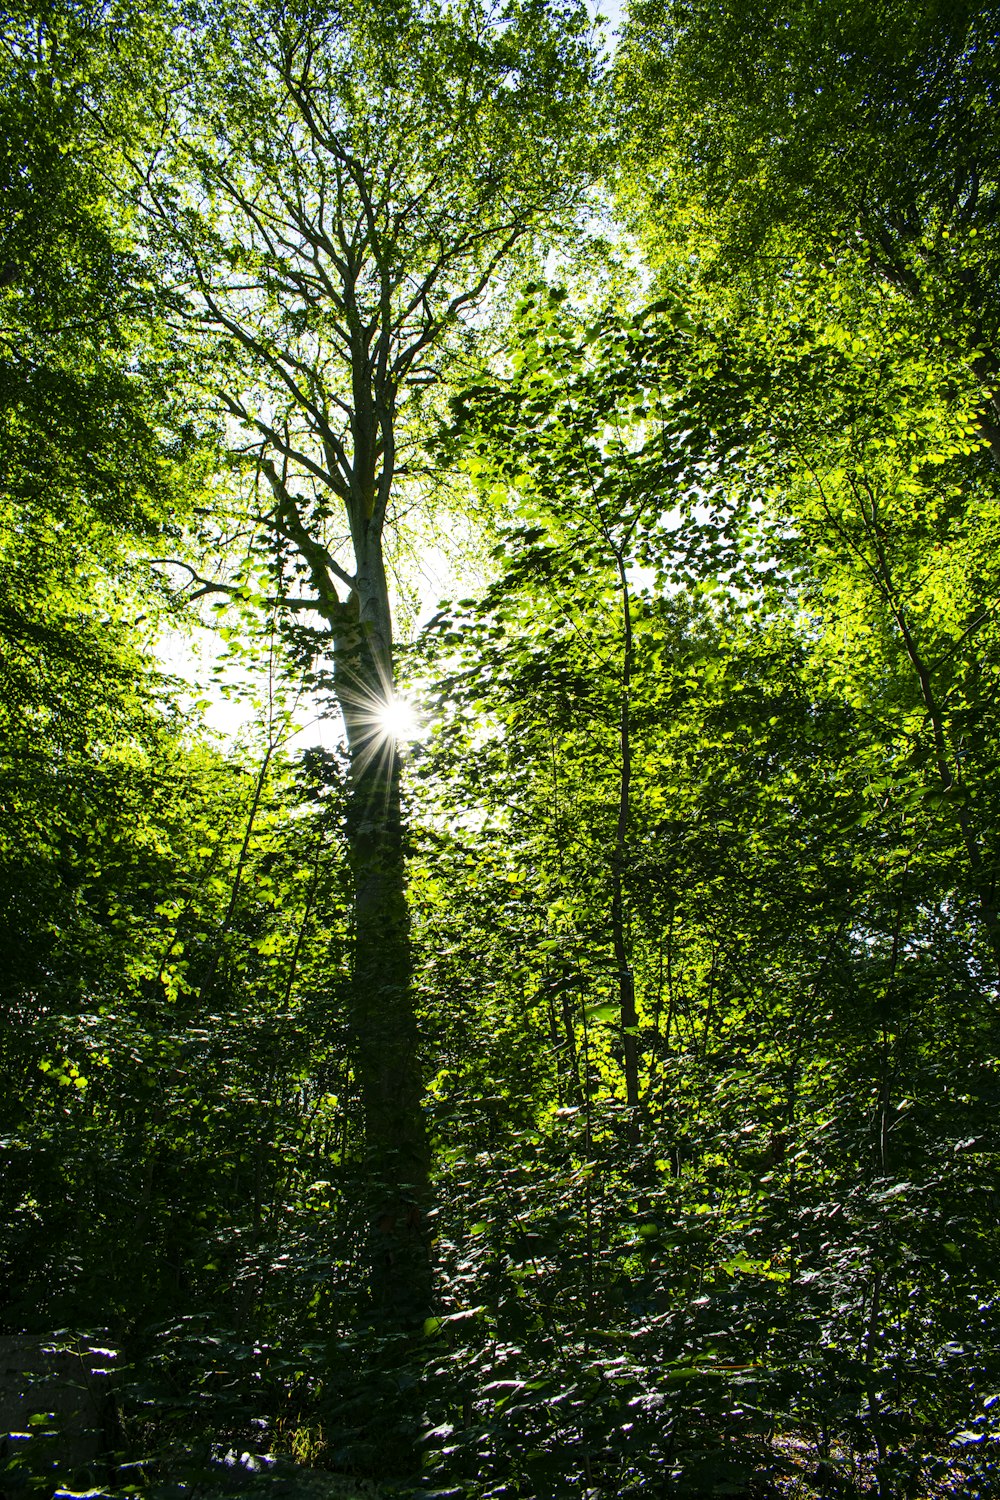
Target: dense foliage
x=597, y=1095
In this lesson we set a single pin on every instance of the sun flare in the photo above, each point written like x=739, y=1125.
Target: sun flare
x=398, y=720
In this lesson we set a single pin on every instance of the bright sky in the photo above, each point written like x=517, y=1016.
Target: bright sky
x=611, y=10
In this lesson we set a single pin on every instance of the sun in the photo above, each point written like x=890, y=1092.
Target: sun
x=398, y=720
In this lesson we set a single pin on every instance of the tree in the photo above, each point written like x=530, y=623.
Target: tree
x=96, y=459
x=339, y=189
x=93, y=452
x=810, y=865
x=588, y=447
x=799, y=127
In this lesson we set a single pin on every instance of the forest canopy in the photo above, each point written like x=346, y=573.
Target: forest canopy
x=547, y=1043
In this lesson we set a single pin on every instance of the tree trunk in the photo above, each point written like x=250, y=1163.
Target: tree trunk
x=947, y=765
x=383, y=1021
x=626, y=979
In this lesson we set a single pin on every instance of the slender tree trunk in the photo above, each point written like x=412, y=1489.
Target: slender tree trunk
x=986, y=369
x=382, y=1016
x=949, y=775
x=626, y=980
x=383, y=1020
x=982, y=879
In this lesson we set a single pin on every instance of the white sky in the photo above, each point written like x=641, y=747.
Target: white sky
x=611, y=10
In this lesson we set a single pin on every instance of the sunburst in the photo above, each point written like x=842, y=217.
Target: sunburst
x=397, y=719
x=385, y=723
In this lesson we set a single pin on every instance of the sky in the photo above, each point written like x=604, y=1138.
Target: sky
x=611, y=10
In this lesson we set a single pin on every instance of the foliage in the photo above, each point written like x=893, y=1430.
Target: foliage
x=854, y=131
x=695, y=873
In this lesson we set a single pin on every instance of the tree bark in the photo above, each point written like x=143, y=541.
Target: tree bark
x=382, y=1014
x=626, y=979
x=982, y=881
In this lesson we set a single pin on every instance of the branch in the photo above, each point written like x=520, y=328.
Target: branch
x=322, y=566
x=232, y=590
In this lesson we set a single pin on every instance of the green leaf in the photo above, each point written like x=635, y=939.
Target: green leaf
x=604, y=1011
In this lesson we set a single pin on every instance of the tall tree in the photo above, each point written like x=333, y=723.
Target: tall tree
x=589, y=447
x=811, y=844
x=802, y=127
x=340, y=187
x=93, y=453
x=88, y=437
